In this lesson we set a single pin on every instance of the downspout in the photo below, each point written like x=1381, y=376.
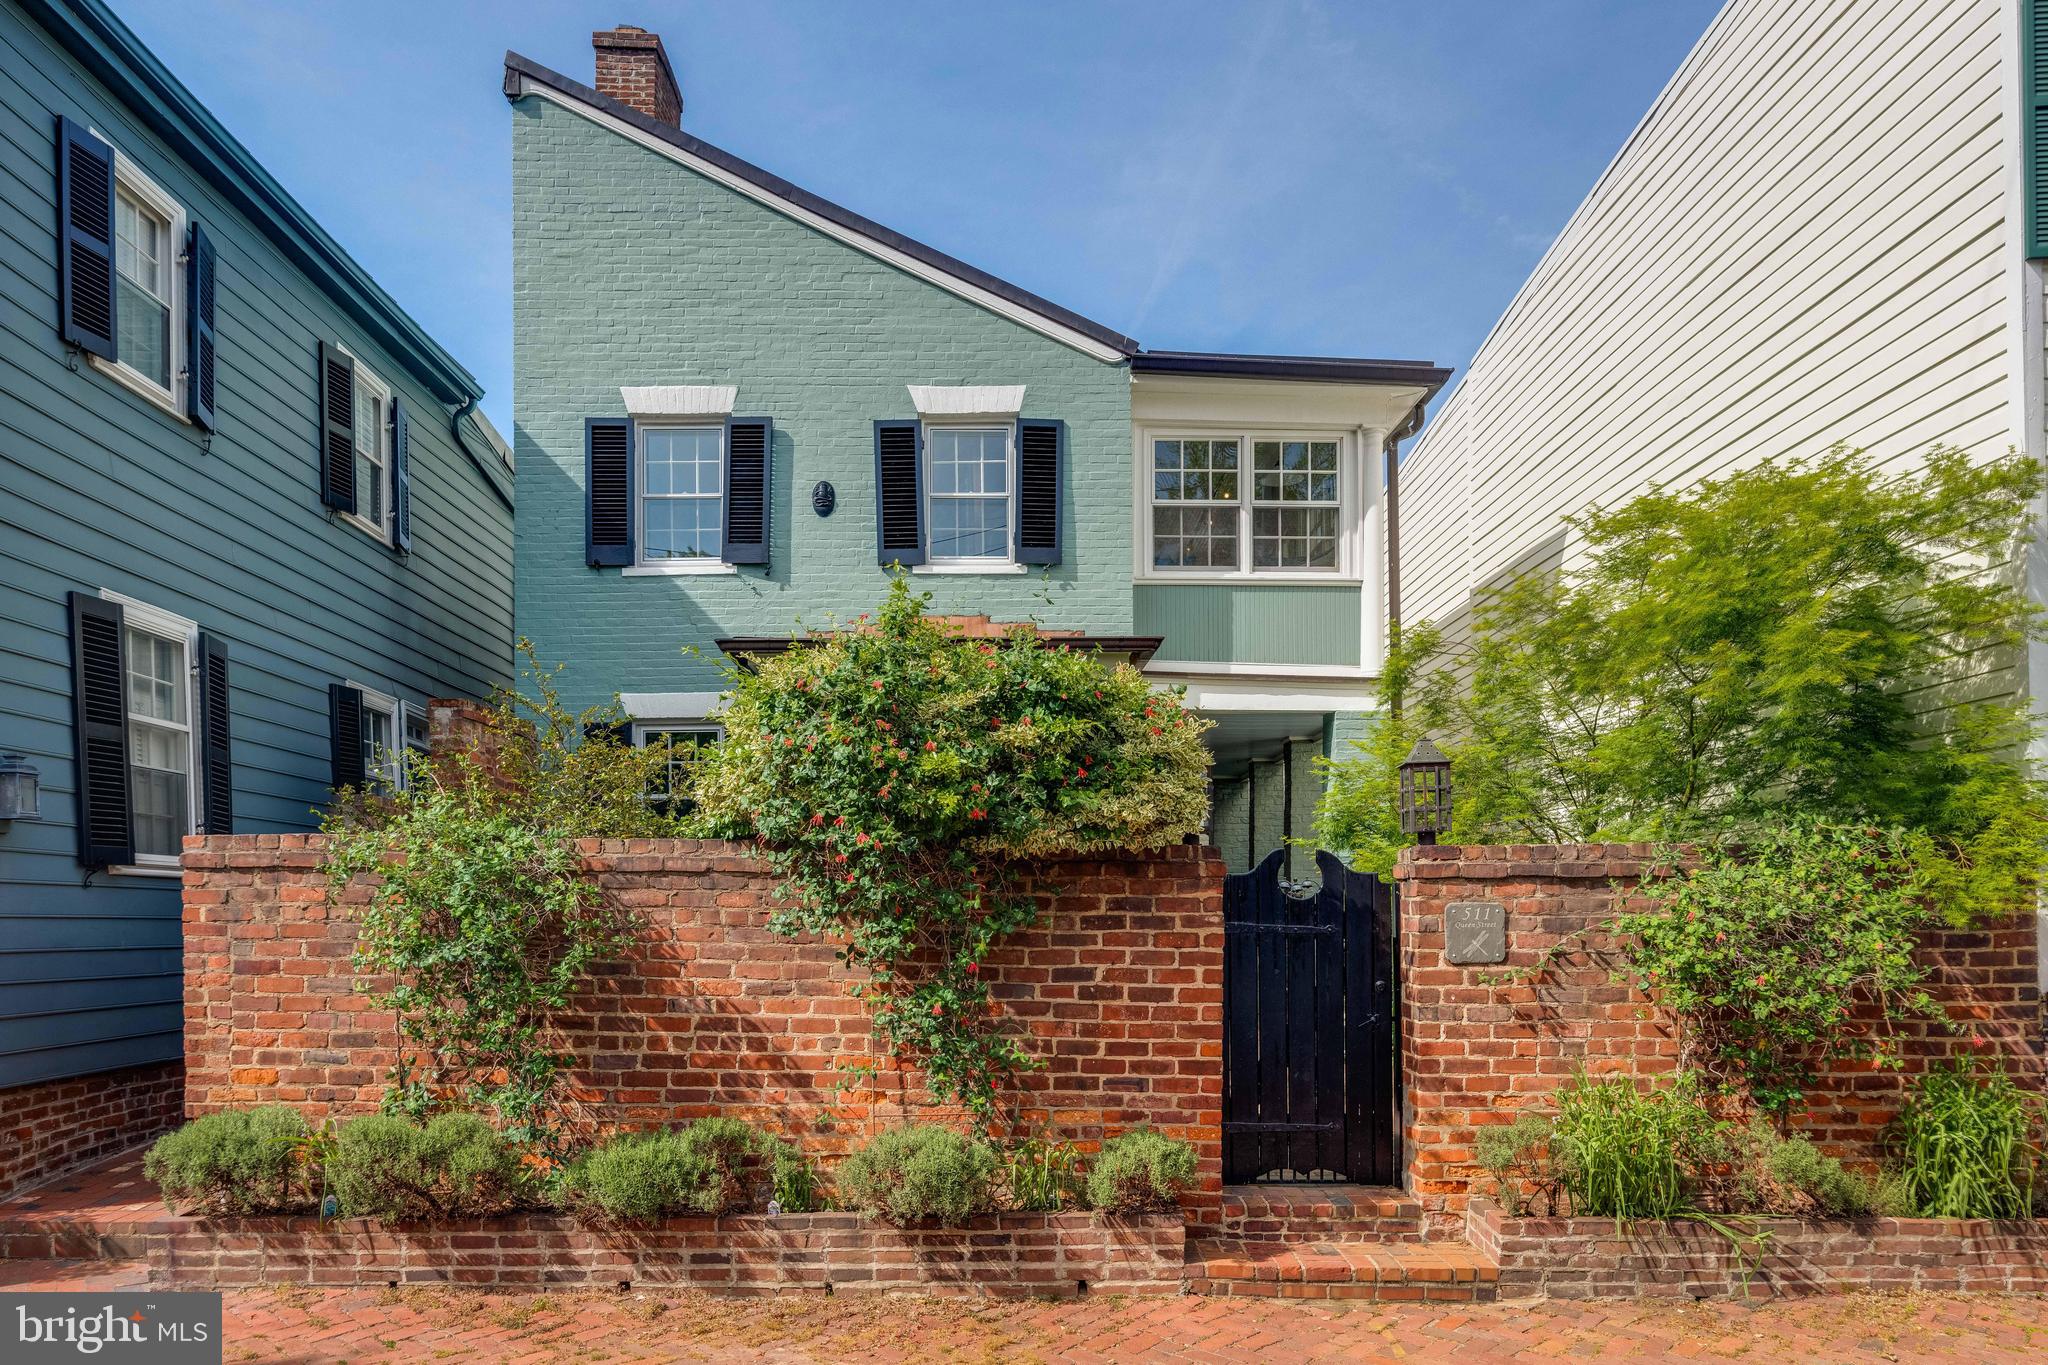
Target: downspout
x=1407, y=428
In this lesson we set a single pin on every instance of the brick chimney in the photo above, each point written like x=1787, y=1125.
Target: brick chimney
x=632, y=67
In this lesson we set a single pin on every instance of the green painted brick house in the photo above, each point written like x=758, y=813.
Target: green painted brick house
x=740, y=407
x=249, y=523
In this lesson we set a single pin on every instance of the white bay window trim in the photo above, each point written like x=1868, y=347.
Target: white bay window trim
x=1350, y=536
x=130, y=181
x=152, y=621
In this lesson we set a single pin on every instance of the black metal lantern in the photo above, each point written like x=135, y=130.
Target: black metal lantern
x=1425, y=792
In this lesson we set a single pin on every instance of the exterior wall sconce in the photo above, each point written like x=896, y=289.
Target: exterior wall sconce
x=19, y=798
x=1425, y=792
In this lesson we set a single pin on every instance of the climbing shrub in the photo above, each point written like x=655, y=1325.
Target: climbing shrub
x=480, y=918
x=1765, y=953
x=893, y=773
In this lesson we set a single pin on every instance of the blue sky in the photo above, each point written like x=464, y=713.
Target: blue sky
x=1343, y=177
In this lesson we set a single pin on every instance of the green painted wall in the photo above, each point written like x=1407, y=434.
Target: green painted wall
x=1271, y=623
x=628, y=269
x=100, y=489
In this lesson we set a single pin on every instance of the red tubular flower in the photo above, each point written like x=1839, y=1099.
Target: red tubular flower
x=838, y=820
x=818, y=818
x=974, y=969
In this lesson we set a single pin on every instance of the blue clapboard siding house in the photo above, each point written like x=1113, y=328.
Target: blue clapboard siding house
x=250, y=521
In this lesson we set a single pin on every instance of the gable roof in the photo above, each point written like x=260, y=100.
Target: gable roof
x=91, y=33
x=524, y=76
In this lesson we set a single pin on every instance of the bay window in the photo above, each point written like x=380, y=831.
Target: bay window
x=1245, y=504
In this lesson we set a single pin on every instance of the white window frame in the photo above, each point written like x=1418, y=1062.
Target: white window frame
x=409, y=748
x=366, y=379
x=1006, y=562
x=130, y=178
x=387, y=773
x=1350, y=533
x=642, y=566
x=643, y=729
x=165, y=625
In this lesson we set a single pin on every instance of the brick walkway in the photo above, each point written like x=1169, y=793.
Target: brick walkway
x=363, y=1327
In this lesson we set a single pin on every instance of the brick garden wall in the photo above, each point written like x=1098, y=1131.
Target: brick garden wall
x=52, y=1126
x=1472, y=1052
x=1118, y=991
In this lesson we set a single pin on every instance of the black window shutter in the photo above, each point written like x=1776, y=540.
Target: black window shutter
x=1041, y=457
x=899, y=492
x=401, y=477
x=99, y=686
x=216, y=757
x=337, y=428
x=85, y=239
x=748, y=443
x=345, y=733
x=199, y=268
x=607, y=491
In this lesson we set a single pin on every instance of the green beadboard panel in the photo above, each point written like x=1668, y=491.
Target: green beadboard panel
x=1276, y=623
x=100, y=489
x=631, y=269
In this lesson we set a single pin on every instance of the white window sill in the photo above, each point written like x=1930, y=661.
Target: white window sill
x=993, y=566
x=683, y=570
x=1295, y=576
x=128, y=378
x=366, y=526
x=165, y=869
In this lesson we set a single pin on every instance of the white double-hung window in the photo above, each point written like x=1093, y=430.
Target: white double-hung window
x=149, y=236
x=968, y=492
x=1247, y=504
x=161, y=773
x=682, y=495
x=372, y=454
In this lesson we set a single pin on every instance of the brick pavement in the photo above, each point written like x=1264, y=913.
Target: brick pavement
x=367, y=1327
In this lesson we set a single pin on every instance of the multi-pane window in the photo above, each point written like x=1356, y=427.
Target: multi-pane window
x=1195, y=498
x=683, y=745
x=1294, y=504
x=145, y=260
x=380, y=740
x=159, y=741
x=373, y=451
x=967, y=473
x=682, y=493
x=1214, y=511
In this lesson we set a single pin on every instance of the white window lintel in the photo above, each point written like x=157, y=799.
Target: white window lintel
x=680, y=400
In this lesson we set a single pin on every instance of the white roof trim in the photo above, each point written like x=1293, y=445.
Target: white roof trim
x=953, y=284
x=967, y=400
x=680, y=400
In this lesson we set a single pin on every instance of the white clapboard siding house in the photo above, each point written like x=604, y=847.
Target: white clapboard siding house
x=1830, y=227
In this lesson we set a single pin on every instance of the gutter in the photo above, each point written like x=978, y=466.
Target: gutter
x=483, y=467
x=1141, y=648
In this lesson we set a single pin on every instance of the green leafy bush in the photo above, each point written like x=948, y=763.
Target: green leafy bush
x=480, y=914
x=1968, y=1143
x=1764, y=952
x=892, y=772
x=1627, y=1152
x=457, y=1166
x=233, y=1162
x=1141, y=1170
x=1516, y=1155
x=1729, y=654
x=714, y=1166
x=921, y=1173
x=1829, y=1188
x=1043, y=1175
x=793, y=1181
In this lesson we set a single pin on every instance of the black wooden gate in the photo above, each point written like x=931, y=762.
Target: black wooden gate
x=1309, y=1074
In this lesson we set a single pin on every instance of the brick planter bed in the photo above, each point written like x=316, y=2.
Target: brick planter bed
x=1592, y=1258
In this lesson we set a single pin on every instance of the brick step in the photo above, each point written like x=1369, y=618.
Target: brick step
x=1320, y=1213
x=1387, y=1271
